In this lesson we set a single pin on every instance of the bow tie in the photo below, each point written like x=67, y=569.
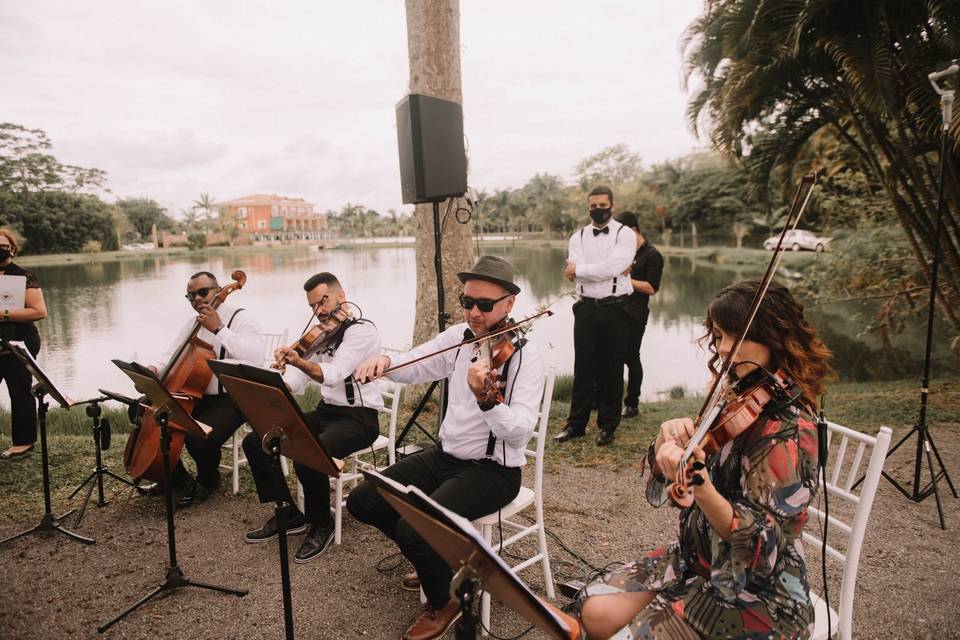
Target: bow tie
x=597, y=232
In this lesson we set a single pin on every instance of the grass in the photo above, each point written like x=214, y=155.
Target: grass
x=861, y=406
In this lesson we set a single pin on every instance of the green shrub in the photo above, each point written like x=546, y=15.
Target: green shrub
x=91, y=246
x=196, y=241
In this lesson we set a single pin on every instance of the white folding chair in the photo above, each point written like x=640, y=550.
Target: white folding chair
x=350, y=475
x=272, y=342
x=841, y=474
x=524, y=499
x=391, y=393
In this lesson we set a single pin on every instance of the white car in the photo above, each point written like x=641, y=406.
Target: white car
x=798, y=239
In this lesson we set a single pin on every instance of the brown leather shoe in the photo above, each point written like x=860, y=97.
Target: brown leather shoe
x=432, y=624
x=410, y=582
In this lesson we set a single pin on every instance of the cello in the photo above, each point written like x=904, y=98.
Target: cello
x=185, y=377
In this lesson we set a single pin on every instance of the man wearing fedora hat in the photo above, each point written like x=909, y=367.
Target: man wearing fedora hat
x=475, y=467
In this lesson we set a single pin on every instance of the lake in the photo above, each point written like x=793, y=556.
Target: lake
x=132, y=309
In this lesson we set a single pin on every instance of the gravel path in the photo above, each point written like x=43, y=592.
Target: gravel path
x=57, y=588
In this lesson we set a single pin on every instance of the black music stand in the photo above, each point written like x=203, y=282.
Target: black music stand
x=168, y=410
x=101, y=440
x=48, y=522
x=476, y=566
x=263, y=398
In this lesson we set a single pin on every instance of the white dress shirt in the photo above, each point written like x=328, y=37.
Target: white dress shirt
x=242, y=340
x=361, y=341
x=602, y=259
x=466, y=428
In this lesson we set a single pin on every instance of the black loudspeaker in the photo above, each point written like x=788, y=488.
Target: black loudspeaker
x=433, y=164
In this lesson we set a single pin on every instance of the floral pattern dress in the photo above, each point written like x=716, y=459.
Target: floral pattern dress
x=753, y=585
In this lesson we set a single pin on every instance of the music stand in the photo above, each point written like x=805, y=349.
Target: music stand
x=270, y=409
x=44, y=387
x=474, y=563
x=167, y=410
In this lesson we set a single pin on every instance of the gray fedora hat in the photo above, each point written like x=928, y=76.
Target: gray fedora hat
x=492, y=269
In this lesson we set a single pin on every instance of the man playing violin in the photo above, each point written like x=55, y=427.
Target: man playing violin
x=475, y=467
x=345, y=421
x=233, y=333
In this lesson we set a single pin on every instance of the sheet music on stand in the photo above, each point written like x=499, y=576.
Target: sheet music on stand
x=271, y=410
x=146, y=382
x=19, y=350
x=456, y=540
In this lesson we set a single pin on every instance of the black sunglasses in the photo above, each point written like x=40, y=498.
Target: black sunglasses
x=484, y=305
x=202, y=293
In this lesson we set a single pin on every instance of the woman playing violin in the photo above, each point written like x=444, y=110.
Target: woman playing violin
x=737, y=569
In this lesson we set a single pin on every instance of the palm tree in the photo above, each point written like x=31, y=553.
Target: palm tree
x=775, y=73
x=207, y=205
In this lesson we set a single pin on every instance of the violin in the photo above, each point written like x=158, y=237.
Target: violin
x=740, y=405
x=494, y=352
x=185, y=377
x=316, y=337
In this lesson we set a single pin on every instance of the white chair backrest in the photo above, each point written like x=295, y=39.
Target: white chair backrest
x=842, y=473
x=272, y=342
x=540, y=434
x=390, y=391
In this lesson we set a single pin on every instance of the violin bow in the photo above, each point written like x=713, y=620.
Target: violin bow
x=475, y=339
x=711, y=405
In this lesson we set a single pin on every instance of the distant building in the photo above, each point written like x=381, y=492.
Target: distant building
x=275, y=218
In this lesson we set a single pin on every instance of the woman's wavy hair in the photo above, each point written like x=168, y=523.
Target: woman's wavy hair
x=780, y=326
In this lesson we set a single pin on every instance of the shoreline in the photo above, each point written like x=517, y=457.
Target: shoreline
x=712, y=255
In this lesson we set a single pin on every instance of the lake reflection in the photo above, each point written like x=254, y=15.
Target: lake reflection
x=132, y=309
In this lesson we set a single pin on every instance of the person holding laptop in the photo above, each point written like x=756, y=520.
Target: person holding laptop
x=18, y=324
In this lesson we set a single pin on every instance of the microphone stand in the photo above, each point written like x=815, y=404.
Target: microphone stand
x=442, y=318
x=101, y=434
x=925, y=444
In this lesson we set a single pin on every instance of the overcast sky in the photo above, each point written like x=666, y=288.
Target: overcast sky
x=175, y=98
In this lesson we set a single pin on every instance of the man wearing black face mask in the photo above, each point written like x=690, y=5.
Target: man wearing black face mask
x=598, y=256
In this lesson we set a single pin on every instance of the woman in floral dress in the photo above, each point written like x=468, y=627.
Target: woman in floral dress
x=737, y=569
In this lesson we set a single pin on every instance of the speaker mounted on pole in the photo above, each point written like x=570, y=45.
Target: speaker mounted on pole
x=433, y=163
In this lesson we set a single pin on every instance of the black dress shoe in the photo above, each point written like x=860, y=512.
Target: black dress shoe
x=317, y=541
x=568, y=434
x=629, y=412
x=605, y=438
x=295, y=523
x=198, y=492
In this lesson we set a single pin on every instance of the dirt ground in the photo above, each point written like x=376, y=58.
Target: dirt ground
x=53, y=587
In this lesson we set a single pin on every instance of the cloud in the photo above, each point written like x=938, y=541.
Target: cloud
x=297, y=97
x=176, y=150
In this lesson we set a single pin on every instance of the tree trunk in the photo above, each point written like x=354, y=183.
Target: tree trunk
x=433, y=43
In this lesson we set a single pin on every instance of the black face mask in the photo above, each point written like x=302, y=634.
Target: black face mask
x=5, y=255
x=600, y=216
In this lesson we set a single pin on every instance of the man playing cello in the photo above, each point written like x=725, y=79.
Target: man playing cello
x=233, y=333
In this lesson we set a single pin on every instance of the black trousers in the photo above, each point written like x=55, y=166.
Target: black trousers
x=600, y=340
x=222, y=415
x=471, y=488
x=341, y=431
x=634, y=368
x=23, y=404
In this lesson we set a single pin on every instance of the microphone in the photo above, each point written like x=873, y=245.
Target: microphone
x=944, y=69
